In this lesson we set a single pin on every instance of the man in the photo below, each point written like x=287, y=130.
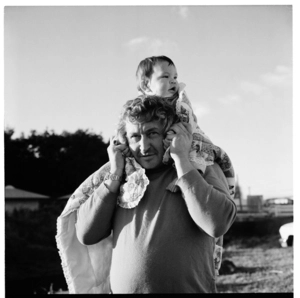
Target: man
x=166, y=243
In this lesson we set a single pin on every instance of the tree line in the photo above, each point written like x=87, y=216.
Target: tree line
x=52, y=164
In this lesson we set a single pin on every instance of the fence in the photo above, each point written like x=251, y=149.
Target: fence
x=281, y=210
x=271, y=210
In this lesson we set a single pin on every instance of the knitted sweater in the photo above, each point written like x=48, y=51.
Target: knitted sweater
x=166, y=243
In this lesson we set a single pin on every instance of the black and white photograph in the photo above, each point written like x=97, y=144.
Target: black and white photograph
x=148, y=149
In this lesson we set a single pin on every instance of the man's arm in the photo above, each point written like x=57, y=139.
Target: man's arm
x=95, y=215
x=208, y=200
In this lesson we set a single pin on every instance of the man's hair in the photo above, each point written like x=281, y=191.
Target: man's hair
x=145, y=68
x=146, y=109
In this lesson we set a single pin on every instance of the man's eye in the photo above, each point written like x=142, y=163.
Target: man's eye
x=153, y=134
x=134, y=138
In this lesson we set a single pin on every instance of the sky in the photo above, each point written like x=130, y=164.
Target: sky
x=69, y=68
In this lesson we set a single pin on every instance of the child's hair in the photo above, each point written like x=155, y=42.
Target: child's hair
x=145, y=68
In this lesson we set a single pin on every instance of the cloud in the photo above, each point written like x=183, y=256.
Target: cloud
x=135, y=43
x=281, y=77
x=267, y=86
x=162, y=46
x=153, y=45
x=250, y=87
x=200, y=110
x=182, y=11
x=270, y=85
x=230, y=99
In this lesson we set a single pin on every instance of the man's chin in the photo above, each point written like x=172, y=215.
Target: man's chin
x=150, y=163
x=153, y=167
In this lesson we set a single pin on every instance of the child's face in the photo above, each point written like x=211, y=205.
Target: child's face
x=163, y=81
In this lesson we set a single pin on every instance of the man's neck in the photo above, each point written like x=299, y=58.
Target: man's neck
x=158, y=169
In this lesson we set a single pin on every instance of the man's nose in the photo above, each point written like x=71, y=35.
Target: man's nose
x=144, y=145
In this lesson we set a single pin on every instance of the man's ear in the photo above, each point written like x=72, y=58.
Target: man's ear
x=145, y=85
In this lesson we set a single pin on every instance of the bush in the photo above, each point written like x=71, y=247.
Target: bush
x=30, y=246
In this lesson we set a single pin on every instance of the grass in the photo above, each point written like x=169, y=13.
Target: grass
x=261, y=266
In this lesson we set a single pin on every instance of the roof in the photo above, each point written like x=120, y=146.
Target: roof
x=15, y=193
x=65, y=197
x=281, y=197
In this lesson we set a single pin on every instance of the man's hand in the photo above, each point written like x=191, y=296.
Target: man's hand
x=182, y=140
x=116, y=153
x=180, y=147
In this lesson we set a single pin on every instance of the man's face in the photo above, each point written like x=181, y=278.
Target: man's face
x=146, y=143
x=163, y=81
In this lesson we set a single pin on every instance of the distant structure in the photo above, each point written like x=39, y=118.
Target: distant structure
x=65, y=197
x=16, y=199
x=255, y=203
x=279, y=201
x=238, y=195
x=281, y=206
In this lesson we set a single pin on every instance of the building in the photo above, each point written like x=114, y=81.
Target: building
x=65, y=197
x=279, y=201
x=281, y=206
x=255, y=203
x=16, y=199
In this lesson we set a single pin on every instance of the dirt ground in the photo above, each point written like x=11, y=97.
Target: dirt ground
x=256, y=265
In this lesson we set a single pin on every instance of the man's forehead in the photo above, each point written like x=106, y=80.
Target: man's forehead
x=143, y=127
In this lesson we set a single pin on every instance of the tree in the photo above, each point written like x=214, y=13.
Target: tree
x=52, y=164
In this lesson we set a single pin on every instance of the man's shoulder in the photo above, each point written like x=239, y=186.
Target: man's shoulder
x=216, y=177
x=213, y=169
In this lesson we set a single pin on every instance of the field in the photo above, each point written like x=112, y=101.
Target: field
x=256, y=265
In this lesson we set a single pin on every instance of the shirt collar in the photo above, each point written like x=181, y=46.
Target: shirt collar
x=173, y=187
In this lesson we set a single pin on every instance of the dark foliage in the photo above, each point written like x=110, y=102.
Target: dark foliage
x=30, y=241
x=52, y=164
x=31, y=255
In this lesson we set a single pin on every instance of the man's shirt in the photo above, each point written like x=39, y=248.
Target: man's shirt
x=166, y=243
